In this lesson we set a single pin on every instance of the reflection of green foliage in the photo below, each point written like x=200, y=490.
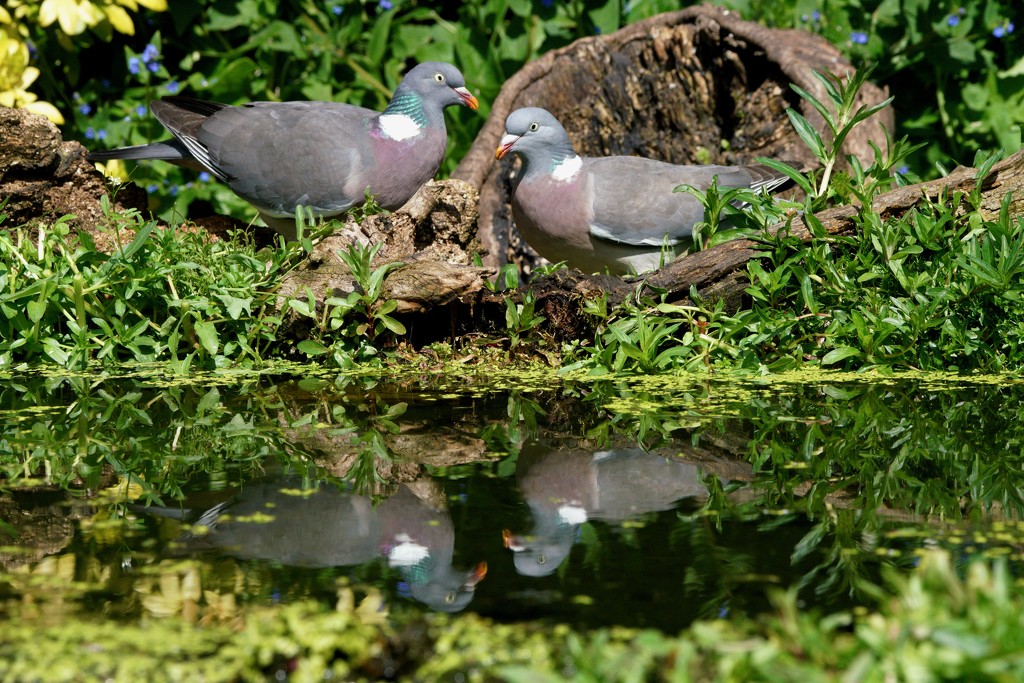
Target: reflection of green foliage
x=157, y=440
x=938, y=626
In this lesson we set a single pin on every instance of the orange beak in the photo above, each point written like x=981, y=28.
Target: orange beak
x=507, y=143
x=511, y=541
x=467, y=98
x=477, y=575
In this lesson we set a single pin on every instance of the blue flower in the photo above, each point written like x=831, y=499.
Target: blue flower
x=336, y=10
x=85, y=108
x=102, y=134
x=547, y=3
x=204, y=176
x=816, y=15
x=1003, y=30
x=140, y=110
x=151, y=53
x=174, y=190
x=153, y=67
x=903, y=170
x=859, y=38
x=173, y=87
x=953, y=20
x=151, y=188
x=385, y=4
x=134, y=64
x=90, y=134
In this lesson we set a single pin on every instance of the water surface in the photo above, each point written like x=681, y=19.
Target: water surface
x=647, y=503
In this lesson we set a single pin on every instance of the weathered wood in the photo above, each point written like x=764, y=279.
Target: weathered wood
x=43, y=177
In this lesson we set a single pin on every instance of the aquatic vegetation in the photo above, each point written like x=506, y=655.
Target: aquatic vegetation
x=938, y=624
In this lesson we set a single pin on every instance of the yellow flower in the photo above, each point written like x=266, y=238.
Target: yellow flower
x=114, y=169
x=74, y=16
x=15, y=78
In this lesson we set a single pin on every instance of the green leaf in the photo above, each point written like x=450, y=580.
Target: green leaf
x=36, y=310
x=301, y=307
x=235, y=305
x=207, y=334
x=209, y=402
x=392, y=324
x=378, y=42
x=825, y=112
x=793, y=174
x=141, y=236
x=807, y=133
x=807, y=291
x=839, y=353
x=312, y=348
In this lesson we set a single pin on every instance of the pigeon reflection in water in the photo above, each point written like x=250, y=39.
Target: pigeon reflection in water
x=564, y=489
x=326, y=527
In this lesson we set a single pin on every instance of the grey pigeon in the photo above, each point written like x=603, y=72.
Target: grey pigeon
x=321, y=155
x=279, y=521
x=606, y=213
x=564, y=489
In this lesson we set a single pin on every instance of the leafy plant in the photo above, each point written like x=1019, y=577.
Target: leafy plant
x=521, y=317
x=360, y=319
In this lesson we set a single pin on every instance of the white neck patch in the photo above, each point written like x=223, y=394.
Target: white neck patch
x=568, y=169
x=407, y=554
x=399, y=126
x=572, y=514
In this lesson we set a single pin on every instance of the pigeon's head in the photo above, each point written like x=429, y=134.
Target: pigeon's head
x=539, y=554
x=439, y=82
x=447, y=589
x=533, y=130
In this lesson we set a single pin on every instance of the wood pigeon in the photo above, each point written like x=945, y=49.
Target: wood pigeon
x=279, y=521
x=565, y=489
x=324, y=156
x=617, y=213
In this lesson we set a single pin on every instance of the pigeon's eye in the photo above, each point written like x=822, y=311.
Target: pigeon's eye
x=534, y=126
x=542, y=559
x=439, y=78
x=449, y=598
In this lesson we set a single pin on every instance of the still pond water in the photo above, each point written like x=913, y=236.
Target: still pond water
x=644, y=503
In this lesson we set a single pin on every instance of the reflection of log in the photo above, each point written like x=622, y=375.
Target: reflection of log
x=699, y=85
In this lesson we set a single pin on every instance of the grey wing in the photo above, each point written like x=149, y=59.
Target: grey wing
x=278, y=155
x=281, y=155
x=635, y=202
